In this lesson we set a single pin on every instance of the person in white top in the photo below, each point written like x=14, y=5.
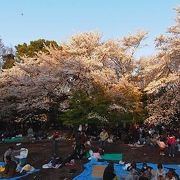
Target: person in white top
x=160, y=173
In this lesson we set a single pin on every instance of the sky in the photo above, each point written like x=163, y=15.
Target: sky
x=26, y=20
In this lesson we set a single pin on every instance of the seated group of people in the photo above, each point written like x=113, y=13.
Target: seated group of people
x=13, y=162
x=38, y=135
x=82, y=148
x=146, y=173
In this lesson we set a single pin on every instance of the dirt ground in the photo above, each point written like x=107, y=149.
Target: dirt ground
x=41, y=153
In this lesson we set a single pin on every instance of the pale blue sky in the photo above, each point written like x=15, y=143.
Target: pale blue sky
x=59, y=19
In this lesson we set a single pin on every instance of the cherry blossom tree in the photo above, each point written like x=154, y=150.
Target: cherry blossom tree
x=160, y=77
x=47, y=80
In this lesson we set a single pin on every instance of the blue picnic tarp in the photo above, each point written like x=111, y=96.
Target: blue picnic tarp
x=119, y=169
x=87, y=173
x=20, y=176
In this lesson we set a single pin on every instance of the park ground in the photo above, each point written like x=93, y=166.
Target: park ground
x=41, y=152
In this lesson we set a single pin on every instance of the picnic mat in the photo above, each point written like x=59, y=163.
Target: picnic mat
x=15, y=139
x=20, y=176
x=98, y=170
x=90, y=173
x=112, y=157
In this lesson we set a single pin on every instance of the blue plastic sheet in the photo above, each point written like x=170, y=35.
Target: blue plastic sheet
x=17, y=177
x=120, y=172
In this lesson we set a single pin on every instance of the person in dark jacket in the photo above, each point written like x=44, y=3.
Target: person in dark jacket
x=109, y=172
x=9, y=152
x=10, y=168
x=55, y=138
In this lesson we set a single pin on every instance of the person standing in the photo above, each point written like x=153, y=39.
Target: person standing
x=55, y=139
x=30, y=134
x=162, y=146
x=103, y=137
x=80, y=140
x=178, y=144
x=171, y=141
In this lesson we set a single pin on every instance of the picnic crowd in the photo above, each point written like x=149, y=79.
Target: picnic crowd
x=162, y=137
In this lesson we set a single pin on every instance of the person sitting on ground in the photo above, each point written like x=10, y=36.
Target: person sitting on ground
x=144, y=167
x=55, y=162
x=9, y=152
x=147, y=172
x=172, y=175
x=133, y=174
x=143, y=176
x=132, y=166
x=154, y=139
x=77, y=153
x=160, y=177
x=95, y=154
x=160, y=172
x=150, y=172
x=110, y=139
x=109, y=172
x=74, y=155
x=10, y=168
x=40, y=134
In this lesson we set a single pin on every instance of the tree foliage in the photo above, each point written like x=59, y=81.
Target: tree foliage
x=85, y=108
x=161, y=77
x=89, y=79
x=84, y=62
x=31, y=49
x=8, y=61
